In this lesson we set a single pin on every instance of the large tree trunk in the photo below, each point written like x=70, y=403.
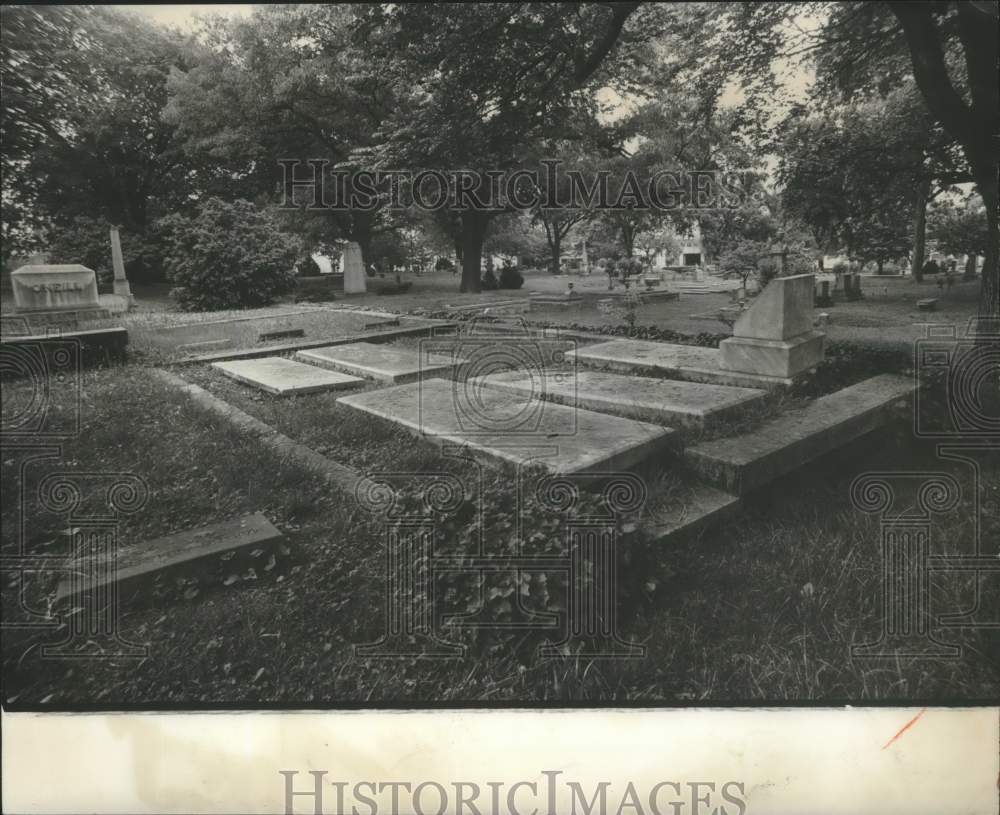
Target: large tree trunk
x=920, y=232
x=985, y=168
x=989, y=295
x=474, y=225
x=973, y=122
x=628, y=238
x=555, y=246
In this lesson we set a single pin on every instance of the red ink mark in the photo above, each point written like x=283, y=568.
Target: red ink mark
x=904, y=728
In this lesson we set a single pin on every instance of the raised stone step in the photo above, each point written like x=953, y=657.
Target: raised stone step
x=395, y=364
x=284, y=377
x=146, y=559
x=501, y=426
x=691, y=362
x=705, y=505
x=744, y=463
x=677, y=403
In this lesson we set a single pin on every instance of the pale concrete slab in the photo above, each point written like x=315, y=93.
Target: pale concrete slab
x=784, y=444
x=146, y=559
x=690, y=362
x=667, y=401
x=285, y=376
x=779, y=358
x=501, y=426
x=395, y=364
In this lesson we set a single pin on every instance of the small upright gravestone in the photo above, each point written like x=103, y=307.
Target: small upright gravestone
x=775, y=336
x=354, y=270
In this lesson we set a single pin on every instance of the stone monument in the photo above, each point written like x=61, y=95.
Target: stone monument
x=775, y=336
x=55, y=289
x=353, y=266
x=121, y=286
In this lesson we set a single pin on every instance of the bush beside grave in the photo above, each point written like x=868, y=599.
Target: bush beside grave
x=228, y=256
x=88, y=241
x=510, y=278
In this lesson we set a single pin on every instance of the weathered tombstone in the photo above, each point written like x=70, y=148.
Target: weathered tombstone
x=55, y=288
x=354, y=270
x=121, y=286
x=775, y=336
x=824, y=298
x=699, y=273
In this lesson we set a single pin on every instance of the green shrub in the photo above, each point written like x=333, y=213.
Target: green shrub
x=510, y=278
x=767, y=270
x=489, y=281
x=630, y=266
x=443, y=264
x=88, y=241
x=307, y=266
x=229, y=255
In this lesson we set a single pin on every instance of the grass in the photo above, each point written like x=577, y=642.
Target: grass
x=764, y=608
x=354, y=439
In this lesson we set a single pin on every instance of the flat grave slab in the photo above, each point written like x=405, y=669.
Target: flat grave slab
x=704, y=506
x=145, y=559
x=688, y=404
x=394, y=364
x=283, y=377
x=691, y=362
x=501, y=426
x=745, y=463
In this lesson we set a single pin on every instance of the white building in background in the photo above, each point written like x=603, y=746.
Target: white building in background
x=691, y=252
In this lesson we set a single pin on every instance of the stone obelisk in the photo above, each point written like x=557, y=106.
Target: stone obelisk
x=121, y=286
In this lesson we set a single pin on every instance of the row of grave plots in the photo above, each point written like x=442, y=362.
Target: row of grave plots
x=684, y=439
x=699, y=438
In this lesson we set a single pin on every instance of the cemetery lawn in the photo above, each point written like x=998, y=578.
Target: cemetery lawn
x=763, y=608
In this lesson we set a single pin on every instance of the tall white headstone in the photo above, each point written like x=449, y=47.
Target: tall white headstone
x=121, y=286
x=355, y=281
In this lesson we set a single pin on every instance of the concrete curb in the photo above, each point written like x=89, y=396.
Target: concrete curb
x=340, y=476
